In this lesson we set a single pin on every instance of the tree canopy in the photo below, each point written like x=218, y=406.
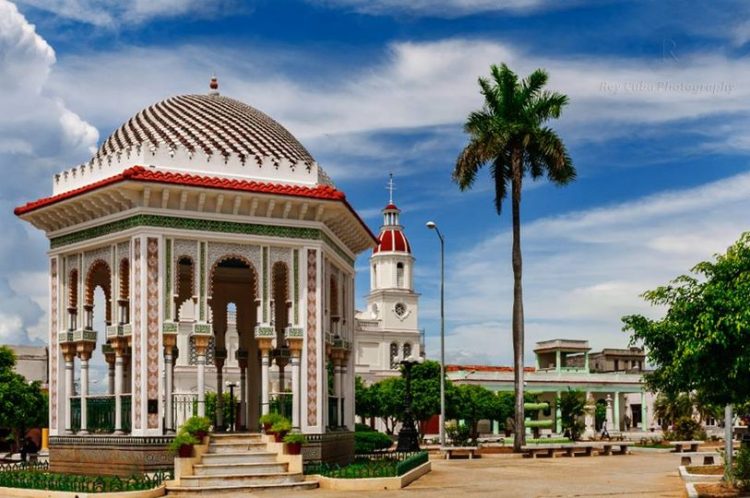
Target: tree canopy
x=23, y=405
x=702, y=343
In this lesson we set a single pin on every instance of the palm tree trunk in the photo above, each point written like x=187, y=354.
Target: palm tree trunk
x=518, y=333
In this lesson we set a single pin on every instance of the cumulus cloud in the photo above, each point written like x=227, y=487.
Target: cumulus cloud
x=584, y=270
x=40, y=135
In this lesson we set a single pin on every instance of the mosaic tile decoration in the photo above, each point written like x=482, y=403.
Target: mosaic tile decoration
x=152, y=317
x=137, y=290
x=53, y=343
x=312, y=347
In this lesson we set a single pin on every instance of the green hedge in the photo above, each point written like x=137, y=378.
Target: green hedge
x=412, y=462
x=389, y=464
x=368, y=442
x=39, y=479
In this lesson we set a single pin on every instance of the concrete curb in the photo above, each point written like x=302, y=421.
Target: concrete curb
x=688, y=477
x=691, y=491
x=373, y=483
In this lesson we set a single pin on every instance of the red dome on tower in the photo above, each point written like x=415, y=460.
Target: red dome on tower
x=392, y=237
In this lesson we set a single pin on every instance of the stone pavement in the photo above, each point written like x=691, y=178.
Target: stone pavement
x=640, y=474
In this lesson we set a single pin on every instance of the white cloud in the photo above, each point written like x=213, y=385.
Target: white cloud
x=583, y=271
x=115, y=13
x=444, y=8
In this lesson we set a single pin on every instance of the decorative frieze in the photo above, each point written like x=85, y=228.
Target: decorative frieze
x=150, y=220
x=99, y=254
x=152, y=326
x=312, y=347
x=53, y=295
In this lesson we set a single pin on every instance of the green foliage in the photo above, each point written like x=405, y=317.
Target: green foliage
x=195, y=425
x=572, y=407
x=669, y=407
x=600, y=414
x=211, y=405
x=270, y=418
x=282, y=425
x=459, y=434
x=425, y=386
x=474, y=403
x=686, y=429
x=365, y=404
x=506, y=407
x=182, y=438
x=740, y=472
x=36, y=476
x=23, y=405
x=295, y=437
x=370, y=466
x=701, y=342
x=370, y=441
x=363, y=428
x=389, y=395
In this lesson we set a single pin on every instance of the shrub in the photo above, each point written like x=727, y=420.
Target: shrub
x=270, y=418
x=363, y=428
x=686, y=429
x=182, y=438
x=370, y=441
x=295, y=437
x=197, y=425
x=741, y=470
x=458, y=434
x=282, y=425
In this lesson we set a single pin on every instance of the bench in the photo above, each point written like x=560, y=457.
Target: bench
x=606, y=448
x=450, y=450
x=548, y=450
x=686, y=458
x=679, y=446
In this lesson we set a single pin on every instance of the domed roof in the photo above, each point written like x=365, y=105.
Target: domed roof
x=392, y=239
x=211, y=124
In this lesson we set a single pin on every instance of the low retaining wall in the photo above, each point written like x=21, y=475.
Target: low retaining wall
x=688, y=477
x=108, y=455
x=374, y=483
x=42, y=493
x=330, y=447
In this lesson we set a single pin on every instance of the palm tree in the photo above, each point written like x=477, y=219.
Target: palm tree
x=511, y=136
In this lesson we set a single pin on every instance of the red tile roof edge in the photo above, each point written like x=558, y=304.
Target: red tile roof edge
x=483, y=368
x=143, y=174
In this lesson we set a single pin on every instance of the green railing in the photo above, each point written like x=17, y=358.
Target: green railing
x=333, y=412
x=37, y=477
x=100, y=413
x=386, y=464
x=281, y=403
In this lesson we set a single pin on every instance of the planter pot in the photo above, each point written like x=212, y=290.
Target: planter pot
x=294, y=448
x=279, y=436
x=185, y=451
x=201, y=435
x=267, y=428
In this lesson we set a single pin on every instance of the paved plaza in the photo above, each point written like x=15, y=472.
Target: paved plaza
x=639, y=474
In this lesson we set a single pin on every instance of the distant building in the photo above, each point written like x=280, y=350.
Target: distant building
x=32, y=362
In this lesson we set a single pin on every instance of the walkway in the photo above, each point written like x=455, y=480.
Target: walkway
x=639, y=474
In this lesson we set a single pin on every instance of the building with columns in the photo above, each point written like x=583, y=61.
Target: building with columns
x=563, y=364
x=225, y=253
x=389, y=327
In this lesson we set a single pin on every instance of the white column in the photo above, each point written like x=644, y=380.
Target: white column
x=340, y=395
x=110, y=378
x=617, y=411
x=168, y=387
x=294, y=360
x=201, y=362
x=219, y=392
x=264, y=382
x=609, y=417
x=69, y=359
x=84, y=393
x=119, y=364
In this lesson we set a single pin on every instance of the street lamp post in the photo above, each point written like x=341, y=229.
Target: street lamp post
x=432, y=226
x=231, y=386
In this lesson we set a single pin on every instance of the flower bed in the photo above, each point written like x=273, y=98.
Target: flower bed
x=36, y=476
x=716, y=490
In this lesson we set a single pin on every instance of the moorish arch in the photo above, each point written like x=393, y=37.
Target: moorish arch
x=99, y=275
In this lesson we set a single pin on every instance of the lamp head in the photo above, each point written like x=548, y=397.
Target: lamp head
x=431, y=225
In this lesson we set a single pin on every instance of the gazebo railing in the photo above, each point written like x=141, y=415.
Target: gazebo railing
x=101, y=413
x=281, y=403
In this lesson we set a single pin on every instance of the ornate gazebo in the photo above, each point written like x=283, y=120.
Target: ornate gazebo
x=200, y=218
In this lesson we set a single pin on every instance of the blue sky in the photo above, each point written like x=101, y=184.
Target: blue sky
x=657, y=128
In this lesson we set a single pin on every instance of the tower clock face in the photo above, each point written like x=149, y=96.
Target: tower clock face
x=400, y=309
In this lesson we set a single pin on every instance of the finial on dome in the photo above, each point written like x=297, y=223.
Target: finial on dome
x=214, y=85
x=390, y=188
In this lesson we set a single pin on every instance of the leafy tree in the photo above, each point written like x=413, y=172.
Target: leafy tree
x=669, y=407
x=572, y=407
x=475, y=403
x=389, y=396
x=701, y=344
x=505, y=408
x=511, y=136
x=365, y=406
x=600, y=414
x=425, y=386
x=23, y=405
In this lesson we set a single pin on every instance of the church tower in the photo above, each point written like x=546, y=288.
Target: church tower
x=389, y=327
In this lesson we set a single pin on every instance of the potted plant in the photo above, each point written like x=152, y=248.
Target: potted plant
x=280, y=429
x=294, y=442
x=182, y=444
x=198, y=427
x=268, y=420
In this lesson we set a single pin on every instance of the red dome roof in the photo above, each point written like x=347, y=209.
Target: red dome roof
x=392, y=239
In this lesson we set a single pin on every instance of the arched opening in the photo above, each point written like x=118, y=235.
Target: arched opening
x=280, y=300
x=123, y=302
x=73, y=300
x=99, y=276
x=407, y=350
x=333, y=306
x=400, y=275
x=184, y=288
x=394, y=356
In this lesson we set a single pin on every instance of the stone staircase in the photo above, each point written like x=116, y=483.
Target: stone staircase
x=237, y=465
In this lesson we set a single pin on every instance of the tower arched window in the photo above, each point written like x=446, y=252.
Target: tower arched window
x=407, y=350
x=399, y=275
x=394, y=356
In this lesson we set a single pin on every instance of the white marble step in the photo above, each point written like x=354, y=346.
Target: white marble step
x=238, y=491
x=236, y=447
x=242, y=457
x=239, y=480
x=240, y=468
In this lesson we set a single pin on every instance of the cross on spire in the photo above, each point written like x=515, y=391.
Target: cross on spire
x=390, y=187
